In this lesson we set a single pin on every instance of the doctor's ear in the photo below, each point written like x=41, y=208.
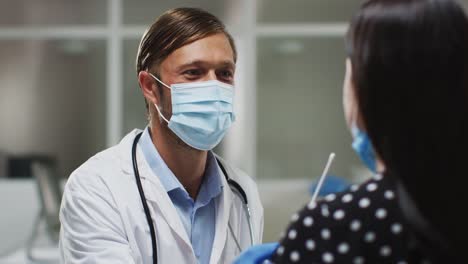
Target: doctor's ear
x=149, y=87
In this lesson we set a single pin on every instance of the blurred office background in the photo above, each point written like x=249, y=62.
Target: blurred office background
x=68, y=89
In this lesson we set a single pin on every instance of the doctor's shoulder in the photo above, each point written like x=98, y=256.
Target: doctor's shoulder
x=106, y=167
x=100, y=183
x=94, y=171
x=91, y=215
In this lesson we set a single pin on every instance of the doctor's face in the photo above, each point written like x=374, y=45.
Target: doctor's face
x=210, y=58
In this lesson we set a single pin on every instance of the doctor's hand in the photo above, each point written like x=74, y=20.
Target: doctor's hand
x=257, y=254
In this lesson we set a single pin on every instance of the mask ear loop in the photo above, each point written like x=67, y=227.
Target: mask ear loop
x=157, y=107
x=161, y=82
x=160, y=114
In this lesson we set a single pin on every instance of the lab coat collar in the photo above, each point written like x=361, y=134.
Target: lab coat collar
x=222, y=216
x=157, y=164
x=155, y=192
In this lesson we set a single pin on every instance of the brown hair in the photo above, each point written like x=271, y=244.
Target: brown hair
x=174, y=29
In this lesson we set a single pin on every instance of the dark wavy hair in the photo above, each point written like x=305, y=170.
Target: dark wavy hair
x=410, y=75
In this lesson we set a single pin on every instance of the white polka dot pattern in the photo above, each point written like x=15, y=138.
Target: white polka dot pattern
x=355, y=225
x=358, y=260
x=325, y=234
x=347, y=198
x=396, y=228
x=295, y=256
x=364, y=202
x=280, y=250
x=343, y=248
x=310, y=244
x=381, y=213
x=312, y=205
x=385, y=251
x=371, y=187
x=363, y=225
x=327, y=257
x=339, y=214
x=369, y=237
x=330, y=197
x=389, y=195
x=292, y=234
x=308, y=221
x=325, y=211
x=354, y=188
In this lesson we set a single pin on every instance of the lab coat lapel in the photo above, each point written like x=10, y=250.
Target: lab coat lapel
x=157, y=195
x=222, y=220
x=154, y=191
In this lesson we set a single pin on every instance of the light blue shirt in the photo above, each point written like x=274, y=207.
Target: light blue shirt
x=199, y=216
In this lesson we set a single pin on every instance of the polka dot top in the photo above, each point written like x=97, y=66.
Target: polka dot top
x=361, y=225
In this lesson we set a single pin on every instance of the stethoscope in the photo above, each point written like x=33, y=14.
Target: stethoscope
x=235, y=187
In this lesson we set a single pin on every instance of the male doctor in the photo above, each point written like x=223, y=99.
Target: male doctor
x=165, y=181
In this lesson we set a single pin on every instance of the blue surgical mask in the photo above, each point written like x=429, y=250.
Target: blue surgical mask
x=202, y=112
x=363, y=147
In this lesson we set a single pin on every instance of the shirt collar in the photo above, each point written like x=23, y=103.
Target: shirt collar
x=157, y=164
x=211, y=185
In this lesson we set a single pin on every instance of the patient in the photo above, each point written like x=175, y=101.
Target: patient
x=406, y=104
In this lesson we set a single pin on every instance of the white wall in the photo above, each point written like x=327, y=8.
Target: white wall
x=52, y=99
x=18, y=208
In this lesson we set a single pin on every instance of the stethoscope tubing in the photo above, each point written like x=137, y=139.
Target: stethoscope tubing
x=149, y=219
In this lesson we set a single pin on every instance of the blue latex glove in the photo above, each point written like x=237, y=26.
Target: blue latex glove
x=332, y=184
x=257, y=254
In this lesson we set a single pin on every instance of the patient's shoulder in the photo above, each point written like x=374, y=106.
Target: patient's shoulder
x=362, y=223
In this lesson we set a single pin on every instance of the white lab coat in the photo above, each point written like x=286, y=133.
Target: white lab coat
x=103, y=219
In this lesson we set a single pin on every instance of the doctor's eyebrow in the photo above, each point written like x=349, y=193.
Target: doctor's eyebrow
x=200, y=63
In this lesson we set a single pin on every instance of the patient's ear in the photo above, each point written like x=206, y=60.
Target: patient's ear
x=349, y=98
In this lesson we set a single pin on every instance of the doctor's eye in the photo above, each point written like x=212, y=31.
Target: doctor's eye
x=226, y=75
x=192, y=73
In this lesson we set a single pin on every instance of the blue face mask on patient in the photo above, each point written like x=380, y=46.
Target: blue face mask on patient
x=363, y=147
x=202, y=112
